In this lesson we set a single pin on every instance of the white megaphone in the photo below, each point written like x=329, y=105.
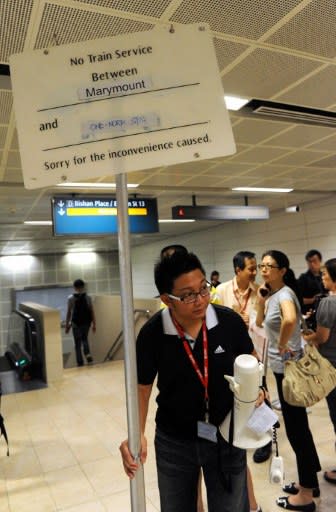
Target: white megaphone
x=244, y=384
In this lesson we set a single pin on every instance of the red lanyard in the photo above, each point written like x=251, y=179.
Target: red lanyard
x=242, y=306
x=203, y=378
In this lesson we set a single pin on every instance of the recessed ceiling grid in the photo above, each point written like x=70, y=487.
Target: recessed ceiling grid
x=227, y=51
x=268, y=73
x=14, y=20
x=62, y=25
x=317, y=91
x=3, y=132
x=312, y=30
x=144, y=7
x=300, y=136
x=6, y=100
x=238, y=17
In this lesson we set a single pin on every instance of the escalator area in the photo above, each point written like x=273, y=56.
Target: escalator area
x=21, y=368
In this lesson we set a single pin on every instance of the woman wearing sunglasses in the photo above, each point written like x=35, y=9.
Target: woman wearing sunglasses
x=279, y=312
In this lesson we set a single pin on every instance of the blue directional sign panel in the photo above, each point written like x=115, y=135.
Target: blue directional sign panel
x=98, y=215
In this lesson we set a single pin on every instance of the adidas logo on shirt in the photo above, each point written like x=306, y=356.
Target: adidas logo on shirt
x=219, y=350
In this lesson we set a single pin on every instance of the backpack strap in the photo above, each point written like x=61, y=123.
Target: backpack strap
x=2, y=426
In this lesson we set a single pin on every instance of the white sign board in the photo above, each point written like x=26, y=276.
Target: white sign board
x=119, y=104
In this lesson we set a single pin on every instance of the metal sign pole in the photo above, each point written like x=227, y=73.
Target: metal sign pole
x=137, y=485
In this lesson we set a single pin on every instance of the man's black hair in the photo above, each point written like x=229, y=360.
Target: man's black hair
x=214, y=273
x=239, y=259
x=170, y=268
x=79, y=283
x=170, y=249
x=313, y=252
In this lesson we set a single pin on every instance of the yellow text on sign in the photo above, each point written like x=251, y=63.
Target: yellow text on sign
x=98, y=212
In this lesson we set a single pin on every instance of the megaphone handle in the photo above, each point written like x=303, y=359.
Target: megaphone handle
x=231, y=427
x=275, y=441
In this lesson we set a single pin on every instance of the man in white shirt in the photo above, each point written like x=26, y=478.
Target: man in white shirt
x=240, y=294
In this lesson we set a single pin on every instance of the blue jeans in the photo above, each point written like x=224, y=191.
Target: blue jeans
x=178, y=465
x=331, y=401
x=80, y=334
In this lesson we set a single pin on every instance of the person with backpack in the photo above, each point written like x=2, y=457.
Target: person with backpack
x=80, y=316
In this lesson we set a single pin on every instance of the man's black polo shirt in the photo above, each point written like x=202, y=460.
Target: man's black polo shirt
x=310, y=285
x=181, y=395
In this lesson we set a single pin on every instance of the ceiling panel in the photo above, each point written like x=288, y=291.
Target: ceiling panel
x=145, y=7
x=276, y=50
x=299, y=158
x=238, y=17
x=61, y=25
x=3, y=133
x=260, y=154
x=14, y=21
x=227, y=51
x=6, y=99
x=328, y=144
x=329, y=161
x=316, y=91
x=254, y=131
x=302, y=135
x=310, y=30
x=227, y=169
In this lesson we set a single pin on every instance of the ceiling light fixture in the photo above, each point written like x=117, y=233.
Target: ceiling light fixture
x=234, y=102
x=38, y=222
x=292, y=209
x=94, y=185
x=263, y=189
x=289, y=113
x=83, y=256
x=175, y=220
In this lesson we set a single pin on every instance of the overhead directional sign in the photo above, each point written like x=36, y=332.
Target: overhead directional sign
x=228, y=212
x=97, y=215
x=119, y=104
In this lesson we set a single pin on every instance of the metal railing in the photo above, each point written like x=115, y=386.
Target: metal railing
x=138, y=313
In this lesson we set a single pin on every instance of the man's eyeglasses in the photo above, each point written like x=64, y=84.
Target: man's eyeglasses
x=189, y=298
x=266, y=266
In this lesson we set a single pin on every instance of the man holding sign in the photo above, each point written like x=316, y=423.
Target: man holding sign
x=189, y=346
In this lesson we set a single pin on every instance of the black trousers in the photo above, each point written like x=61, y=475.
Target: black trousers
x=300, y=438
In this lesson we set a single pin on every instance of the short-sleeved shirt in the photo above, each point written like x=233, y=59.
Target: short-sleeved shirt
x=227, y=294
x=326, y=317
x=71, y=304
x=310, y=285
x=180, y=400
x=272, y=323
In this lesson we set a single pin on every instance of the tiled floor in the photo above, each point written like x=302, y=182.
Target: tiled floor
x=64, y=448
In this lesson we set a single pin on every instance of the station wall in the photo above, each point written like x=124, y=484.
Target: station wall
x=101, y=275
x=314, y=227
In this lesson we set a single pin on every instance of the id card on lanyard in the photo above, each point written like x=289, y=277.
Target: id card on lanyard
x=204, y=429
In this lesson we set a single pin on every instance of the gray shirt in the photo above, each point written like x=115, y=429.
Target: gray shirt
x=272, y=324
x=326, y=317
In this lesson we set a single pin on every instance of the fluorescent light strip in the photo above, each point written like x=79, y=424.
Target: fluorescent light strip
x=94, y=185
x=175, y=220
x=38, y=222
x=234, y=102
x=262, y=189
